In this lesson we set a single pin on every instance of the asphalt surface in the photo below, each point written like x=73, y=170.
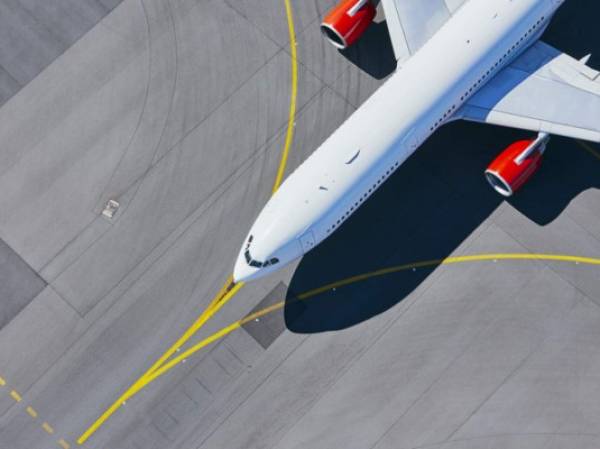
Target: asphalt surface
x=178, y=111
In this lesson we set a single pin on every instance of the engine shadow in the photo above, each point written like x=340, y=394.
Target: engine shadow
x=424, y=212
x=373, y=53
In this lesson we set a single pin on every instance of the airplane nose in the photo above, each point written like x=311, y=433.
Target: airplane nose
x=242, y=272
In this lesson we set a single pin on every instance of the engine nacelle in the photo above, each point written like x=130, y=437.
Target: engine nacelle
x=347, y=22
x=516, y=165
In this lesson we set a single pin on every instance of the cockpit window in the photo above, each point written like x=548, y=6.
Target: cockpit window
x=257, y=263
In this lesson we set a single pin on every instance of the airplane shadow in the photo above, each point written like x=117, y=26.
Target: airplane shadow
x=423, y=212
x=437, y=198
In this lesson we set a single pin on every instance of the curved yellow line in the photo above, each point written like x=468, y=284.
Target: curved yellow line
x=289, y=137
x=363, y=277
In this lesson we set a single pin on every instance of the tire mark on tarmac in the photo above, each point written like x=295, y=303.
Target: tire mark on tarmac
x=229, y=290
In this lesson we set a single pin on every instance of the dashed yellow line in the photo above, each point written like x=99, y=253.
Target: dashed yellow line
x=31, y=412
x=16, y=396
x=289, y=137
x=34, y=415
x=48, y=428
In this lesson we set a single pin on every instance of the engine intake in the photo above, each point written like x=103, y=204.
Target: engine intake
x=516, y=165
x=347, y=22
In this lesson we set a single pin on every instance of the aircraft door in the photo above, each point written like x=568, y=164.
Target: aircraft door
x=307, y=241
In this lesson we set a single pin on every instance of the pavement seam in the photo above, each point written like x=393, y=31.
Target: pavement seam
x=449, y=366
x=254, y=25
x=12, y=78
x=63, y=299
x=56, y=57
x=508, y=377
x=546, y=263
x=303, y=338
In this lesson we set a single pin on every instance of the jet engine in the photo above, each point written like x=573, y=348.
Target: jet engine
x=347, y=22
x=516, y=165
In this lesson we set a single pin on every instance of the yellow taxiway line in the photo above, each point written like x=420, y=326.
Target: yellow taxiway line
x=289, y=137
x=363, y=277
x=229, y=290
x=159, y=371
x=587, y=147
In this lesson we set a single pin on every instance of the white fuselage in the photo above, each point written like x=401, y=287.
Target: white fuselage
x=482, y=37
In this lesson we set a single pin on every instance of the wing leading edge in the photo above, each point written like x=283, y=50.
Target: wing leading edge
x=543, y=90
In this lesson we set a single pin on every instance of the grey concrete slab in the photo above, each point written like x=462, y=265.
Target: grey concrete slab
x=179, y=110
x=35, y=33
x=8, y=85
x=19, y=284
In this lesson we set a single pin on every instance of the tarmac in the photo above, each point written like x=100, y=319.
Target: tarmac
x=178, y=110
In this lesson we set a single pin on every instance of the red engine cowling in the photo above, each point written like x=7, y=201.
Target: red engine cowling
x=347, y=22
x=515, y=165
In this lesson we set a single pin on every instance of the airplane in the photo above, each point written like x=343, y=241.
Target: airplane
x=477, y=60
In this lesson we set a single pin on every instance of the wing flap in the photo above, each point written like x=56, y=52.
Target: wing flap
x=543, y=90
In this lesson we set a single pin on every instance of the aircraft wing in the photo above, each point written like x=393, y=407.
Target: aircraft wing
x=411, y=23
x=542, y=90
